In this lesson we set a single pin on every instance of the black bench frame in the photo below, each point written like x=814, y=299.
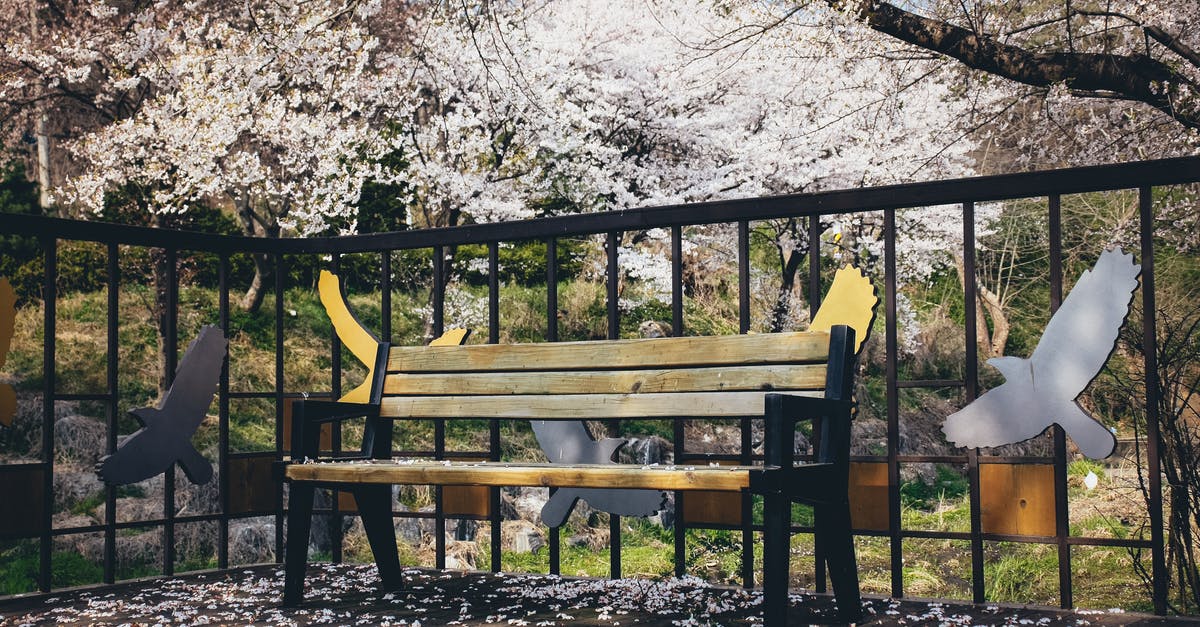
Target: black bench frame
x=823, y=484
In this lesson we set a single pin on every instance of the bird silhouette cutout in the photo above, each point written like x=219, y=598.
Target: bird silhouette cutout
x=568, y=442
x=1041, y=390
x=851, y=301
x=8, y=322
x=166, y=434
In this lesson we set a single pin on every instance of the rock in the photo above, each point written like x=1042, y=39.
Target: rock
x=252, y=540
x=79, y=438
x=647, y=450
x=74, y=484
x=521, y=536
x=528, y=502
x=462, y=555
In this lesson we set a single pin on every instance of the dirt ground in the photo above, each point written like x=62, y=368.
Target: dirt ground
x=344, y=595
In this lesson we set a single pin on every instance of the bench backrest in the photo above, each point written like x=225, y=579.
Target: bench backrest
x=716, y=376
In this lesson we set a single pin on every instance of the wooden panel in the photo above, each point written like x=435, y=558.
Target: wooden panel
x=709, y=507
x=506, y=474
x=346, y=502
x=1017, y=498
x=251, y=487
x=21, y=492
x=774, y=377
x=578, y=406
x=466, y=500
x=326, y=444
x=869, y=496
x=764, y=348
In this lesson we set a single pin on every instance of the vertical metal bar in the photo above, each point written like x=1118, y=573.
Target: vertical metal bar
x=385, y=295
x=554, y=537
x=50, y=306
x=223, y=417
x=971, y=392
x=676, y=281
x=494, y=424
x=439, y=291
x=743, y=256
x=335, y=429
x=171, y=347
x=111, y=410
x=677, y=424
x=814, y=269
x=279, y=444
x=614, y=331
x=1153, y=437
x=439, y=425
x=896, y=543
x=1062, y=528
x=746, y=447
x=552, y=290
x=493, y=293
x=814, y=303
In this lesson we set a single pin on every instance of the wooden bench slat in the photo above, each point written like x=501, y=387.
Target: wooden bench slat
x=578, y=406
x=655, y=381
x=723, y=478
x=767, y=348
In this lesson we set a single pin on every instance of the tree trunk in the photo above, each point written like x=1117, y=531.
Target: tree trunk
x=254, y=226
x=987, y=304
x=790, y=262
x=39, y=132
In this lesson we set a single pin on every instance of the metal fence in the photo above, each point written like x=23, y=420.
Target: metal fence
x=245, y=489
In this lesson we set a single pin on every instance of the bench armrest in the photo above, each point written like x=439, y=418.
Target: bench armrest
x=309, y=415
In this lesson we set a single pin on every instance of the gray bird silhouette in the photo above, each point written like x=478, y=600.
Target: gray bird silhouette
x=166, y=433
x=1041, y=390
x=568, y=442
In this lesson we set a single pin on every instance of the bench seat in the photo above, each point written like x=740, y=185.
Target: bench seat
x=421, y=472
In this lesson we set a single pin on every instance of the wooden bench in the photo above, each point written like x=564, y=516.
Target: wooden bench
x=783, y=378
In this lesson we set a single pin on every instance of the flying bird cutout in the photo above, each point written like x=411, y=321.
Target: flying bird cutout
x=1041, y=390
x=568, y=442
x=851, y=301
x=166, y=434
x=8, y=322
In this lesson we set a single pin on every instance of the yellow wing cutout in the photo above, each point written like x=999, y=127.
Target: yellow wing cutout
x=453, y=337
x=850, y=301
x=354, y=336
x=8, y=323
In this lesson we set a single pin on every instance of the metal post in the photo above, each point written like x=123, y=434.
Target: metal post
x=1153, y=438
x=112, y=410
x=971, y=392
x=893, y=403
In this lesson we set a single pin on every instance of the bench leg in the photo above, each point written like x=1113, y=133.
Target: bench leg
x=299, y=522
x=375, y=508
x=834, y=535
x=777, y=521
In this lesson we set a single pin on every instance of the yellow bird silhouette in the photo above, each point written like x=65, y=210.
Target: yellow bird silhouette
x=850, y=301
x=354, y=336
x=8, y=322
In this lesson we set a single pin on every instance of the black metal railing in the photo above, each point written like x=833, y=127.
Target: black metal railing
x=1051, y=185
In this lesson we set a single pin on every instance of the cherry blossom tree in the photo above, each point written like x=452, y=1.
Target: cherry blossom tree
x=274, y=108
x=580, y=106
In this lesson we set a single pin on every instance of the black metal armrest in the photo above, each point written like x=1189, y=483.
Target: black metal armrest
x=309, y=415
x=318, y=411
x=796, y=407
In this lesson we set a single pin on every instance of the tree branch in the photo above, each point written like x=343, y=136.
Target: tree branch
x=1134, y=77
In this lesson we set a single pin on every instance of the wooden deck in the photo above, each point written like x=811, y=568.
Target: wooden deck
x=343, y=595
